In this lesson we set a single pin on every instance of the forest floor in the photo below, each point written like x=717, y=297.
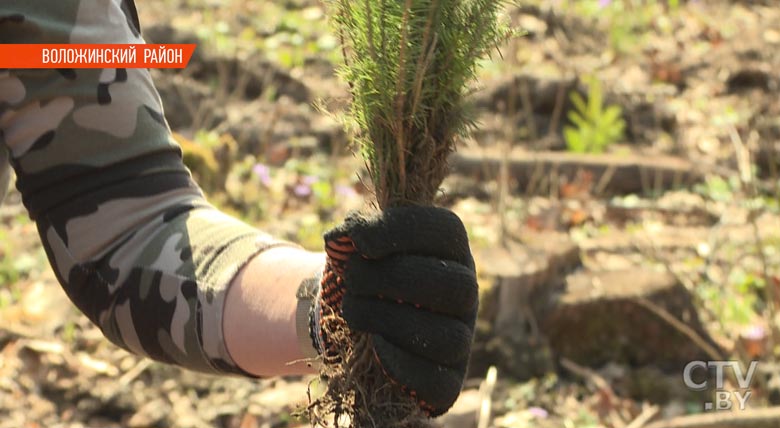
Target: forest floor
x=602, y=273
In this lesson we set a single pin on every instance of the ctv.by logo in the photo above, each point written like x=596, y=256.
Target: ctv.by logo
x=722, y=396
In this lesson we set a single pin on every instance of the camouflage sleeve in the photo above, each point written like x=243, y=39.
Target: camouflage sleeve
x=129, y=235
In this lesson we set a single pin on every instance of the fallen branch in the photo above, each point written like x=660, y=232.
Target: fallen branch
x=768, y=417
x=662, y=313
x=615, y=174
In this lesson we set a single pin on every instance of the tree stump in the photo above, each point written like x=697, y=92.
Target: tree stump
x=521, y=279
x=604, y=317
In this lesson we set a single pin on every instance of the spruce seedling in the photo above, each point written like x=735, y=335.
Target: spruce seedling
x=409, y=65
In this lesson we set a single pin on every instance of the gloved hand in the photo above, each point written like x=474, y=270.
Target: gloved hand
x=406, y=277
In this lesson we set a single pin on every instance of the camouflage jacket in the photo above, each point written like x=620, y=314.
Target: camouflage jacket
x=128, y=233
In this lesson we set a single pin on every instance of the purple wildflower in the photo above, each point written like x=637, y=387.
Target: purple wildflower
x=302, y=190
x=604, y=3
x=754, y=332
x=309, y=180
x=263, y=172
x=538, y=412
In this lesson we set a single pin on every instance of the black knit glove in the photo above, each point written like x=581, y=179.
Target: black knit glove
x=407, y=277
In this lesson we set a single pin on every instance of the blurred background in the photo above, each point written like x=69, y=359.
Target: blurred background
x=620, y=191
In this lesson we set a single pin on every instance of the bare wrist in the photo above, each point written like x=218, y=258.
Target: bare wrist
x=260, y=322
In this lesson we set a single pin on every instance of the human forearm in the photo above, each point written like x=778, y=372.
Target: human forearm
x=259, y=322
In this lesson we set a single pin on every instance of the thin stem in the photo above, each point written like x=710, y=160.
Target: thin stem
x=400, y=127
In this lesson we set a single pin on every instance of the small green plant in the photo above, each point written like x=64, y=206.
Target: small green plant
x=595, y=125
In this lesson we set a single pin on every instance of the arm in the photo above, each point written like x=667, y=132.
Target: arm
x=128, y=233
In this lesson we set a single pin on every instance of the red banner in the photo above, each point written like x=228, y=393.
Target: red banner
x=95, y=55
